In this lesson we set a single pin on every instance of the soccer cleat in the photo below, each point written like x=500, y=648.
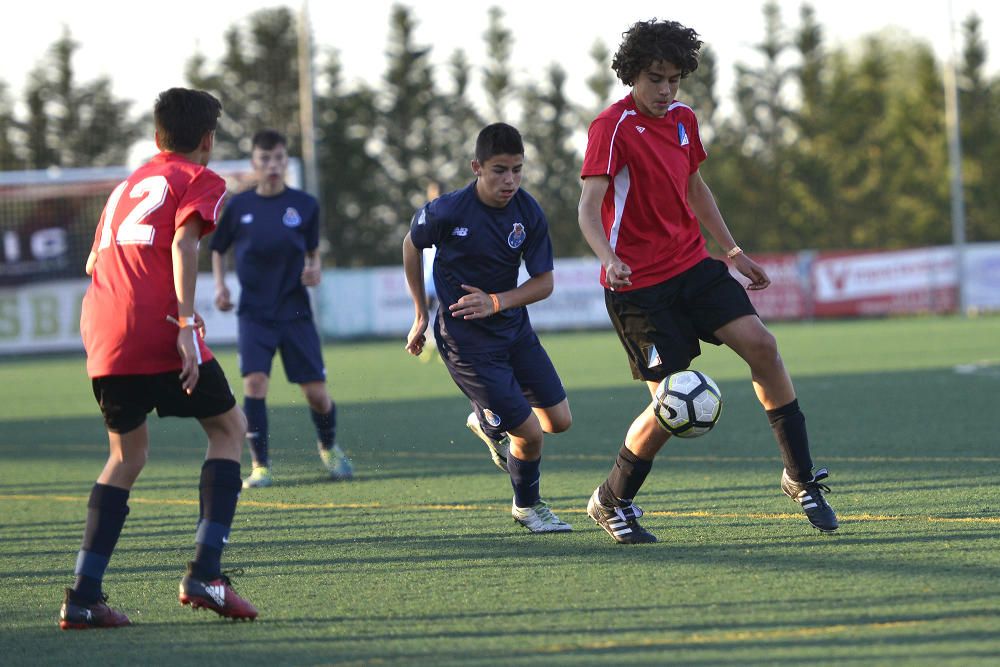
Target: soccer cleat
x=621, y=523
x=259, y=477
x=336, y=463
x=539, y=518
x=498, y=448
x=810, y=496
x=217, y=595
x=75, y=615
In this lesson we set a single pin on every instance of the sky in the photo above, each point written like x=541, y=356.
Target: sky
x=145, y=52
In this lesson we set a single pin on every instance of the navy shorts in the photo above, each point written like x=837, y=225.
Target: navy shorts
x=660, y=326
x=297, y=341
x=504, y=386
x=125, y=400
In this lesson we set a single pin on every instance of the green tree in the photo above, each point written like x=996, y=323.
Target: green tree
x=71, y=124
x=257, y=81
x=457, y=123
x=9, y=159
x=404, y=140
x=979, y=103
x=497, y=77
x=552, y=163
x=347, y=171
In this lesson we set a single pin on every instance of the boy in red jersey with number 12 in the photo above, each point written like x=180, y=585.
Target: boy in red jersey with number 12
x=145, y=350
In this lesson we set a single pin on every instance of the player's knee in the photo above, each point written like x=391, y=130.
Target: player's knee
x=560, y=423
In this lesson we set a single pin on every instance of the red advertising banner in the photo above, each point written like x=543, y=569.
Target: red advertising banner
x=787, y=297
x=885, y=283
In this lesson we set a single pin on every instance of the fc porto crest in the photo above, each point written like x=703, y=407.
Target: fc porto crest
x=291, y=218
x=516, y=237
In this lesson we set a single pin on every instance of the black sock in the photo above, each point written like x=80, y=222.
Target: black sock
x=625, y=479
x=326, y=426
x=106, y=512
x=524, y=478
x=219, y=491
x=789, y=426
x=256, y=412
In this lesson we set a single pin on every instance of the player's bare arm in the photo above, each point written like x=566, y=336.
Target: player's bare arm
x=589, y=219
x=91, y=260
x=413, y=268
x=702, y=202
x=478, y=304
x=223, y=300
x=312, y=272
x=185, y=260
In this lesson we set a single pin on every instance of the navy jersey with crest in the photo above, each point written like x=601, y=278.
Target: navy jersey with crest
x=482, y=246
x=270, y=237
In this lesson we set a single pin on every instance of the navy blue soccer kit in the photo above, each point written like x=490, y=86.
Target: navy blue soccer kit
x=270, y=237
x=496, y=361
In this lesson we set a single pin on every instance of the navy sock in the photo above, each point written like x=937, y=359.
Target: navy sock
x=326, y=426
x=789, y=426
x=106, y=512
x=625, y=479
x=256, y=412
x=524, y=477
x=219, y=491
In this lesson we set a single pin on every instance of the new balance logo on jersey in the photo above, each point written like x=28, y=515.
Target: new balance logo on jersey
x=217, y=593
x=682, y=135
x=460, y=231
x=246, y=218
x=640, y=129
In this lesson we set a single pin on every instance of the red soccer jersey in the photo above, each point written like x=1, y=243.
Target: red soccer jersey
x=124, y=319
x=645, y=211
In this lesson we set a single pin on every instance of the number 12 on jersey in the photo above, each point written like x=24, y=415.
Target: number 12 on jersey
x=145, y=197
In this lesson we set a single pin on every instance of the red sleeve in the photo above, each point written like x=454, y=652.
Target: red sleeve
x=203, y=196
x=697, y=152
x=600, y=159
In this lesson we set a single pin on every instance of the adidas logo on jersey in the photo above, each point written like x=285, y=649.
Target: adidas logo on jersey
x=640, y=129
x=217, y=593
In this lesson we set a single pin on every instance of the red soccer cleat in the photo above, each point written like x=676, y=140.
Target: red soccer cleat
x=217, y=595
x=75, y=615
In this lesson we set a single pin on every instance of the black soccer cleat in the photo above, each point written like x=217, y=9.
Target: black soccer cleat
x=76, y=615
x=216, y=594
x=810, y=496
x=621, y=523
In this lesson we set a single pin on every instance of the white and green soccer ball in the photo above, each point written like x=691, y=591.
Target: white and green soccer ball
x=687, y=404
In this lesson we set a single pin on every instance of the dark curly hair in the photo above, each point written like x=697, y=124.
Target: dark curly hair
x=647, y=42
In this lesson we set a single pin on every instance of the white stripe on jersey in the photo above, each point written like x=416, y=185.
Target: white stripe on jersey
x=611, y=147
x=197, y=348
x=622, y=183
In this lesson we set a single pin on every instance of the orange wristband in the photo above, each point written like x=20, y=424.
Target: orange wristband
x=496, y=303
x=734, y=252
x=183, y=322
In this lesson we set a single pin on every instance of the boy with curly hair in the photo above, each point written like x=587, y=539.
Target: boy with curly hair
x=641, y=209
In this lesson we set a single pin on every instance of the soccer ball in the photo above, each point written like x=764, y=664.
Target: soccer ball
x=687, y=404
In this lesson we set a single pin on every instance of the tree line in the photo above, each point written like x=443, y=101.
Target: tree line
x=826, y=148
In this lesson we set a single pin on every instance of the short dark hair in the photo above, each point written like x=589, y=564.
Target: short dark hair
x=268, y=139
x=498, y=139
x=647, y=42
x=183, y=116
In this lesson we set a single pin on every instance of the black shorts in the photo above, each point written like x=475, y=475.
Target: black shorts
x=660, y=326
x=125, y=400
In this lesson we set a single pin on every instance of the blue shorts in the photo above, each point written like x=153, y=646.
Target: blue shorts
x=296, y=339
x=504, y=386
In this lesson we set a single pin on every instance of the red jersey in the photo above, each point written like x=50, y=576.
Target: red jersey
x=645, y=211
x=124, y=318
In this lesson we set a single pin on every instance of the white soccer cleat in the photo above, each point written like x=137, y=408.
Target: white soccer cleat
x=539, y=518
x=259, y=477
x=336, y=463
x=498, y=448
